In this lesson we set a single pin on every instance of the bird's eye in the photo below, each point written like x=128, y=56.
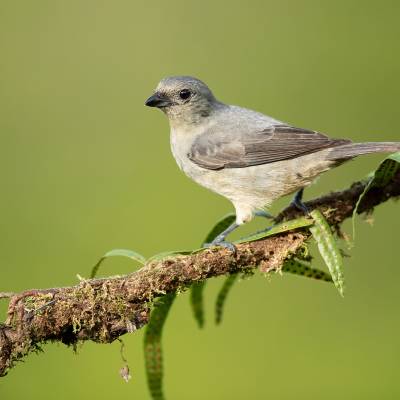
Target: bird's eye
x=184, y=94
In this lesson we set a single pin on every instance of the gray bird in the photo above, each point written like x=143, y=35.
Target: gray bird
x=246, y=156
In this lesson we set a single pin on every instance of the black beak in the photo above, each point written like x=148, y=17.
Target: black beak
x=157, y=100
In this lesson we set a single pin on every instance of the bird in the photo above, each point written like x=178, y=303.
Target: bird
x=248, y=157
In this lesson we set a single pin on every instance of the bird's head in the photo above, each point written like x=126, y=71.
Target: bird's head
x=184, y=99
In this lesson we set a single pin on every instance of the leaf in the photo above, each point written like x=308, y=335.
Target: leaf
x=279, y=228
x=197, y=290
x=117, y=252
x=385, y=172
x=297, y=267
x=153, y=348
x=222, y=295
x=328, y=249
x=219, y=227
x=196, y=301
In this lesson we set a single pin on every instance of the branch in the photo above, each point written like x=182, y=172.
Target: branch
x=101, y=310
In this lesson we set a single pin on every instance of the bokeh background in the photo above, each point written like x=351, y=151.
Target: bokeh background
x=86, y=168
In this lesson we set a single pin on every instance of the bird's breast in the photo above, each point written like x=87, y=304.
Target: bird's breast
x=218, y=181
x=181, y=143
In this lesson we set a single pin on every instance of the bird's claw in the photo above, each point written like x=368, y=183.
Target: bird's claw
x=298, y=203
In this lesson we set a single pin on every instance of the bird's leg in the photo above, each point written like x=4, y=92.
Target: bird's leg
x=263, y=213
x=298, y=202
x=220, y=239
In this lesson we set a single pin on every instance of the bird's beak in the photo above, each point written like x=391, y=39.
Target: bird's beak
x=157, y=100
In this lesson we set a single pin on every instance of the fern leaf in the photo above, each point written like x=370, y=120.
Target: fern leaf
x=328, y=249
x=153, y=348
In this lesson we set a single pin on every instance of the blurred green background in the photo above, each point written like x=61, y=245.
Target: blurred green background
x=86, y=168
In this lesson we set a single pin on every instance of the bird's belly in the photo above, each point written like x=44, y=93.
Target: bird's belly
x=255, y=186
x=259, y=185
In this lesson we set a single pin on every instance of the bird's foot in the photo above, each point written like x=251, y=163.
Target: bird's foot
x=222, y=243
x=298, y=202
x=220, y=239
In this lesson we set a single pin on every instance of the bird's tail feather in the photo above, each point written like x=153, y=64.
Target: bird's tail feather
x=356, y=149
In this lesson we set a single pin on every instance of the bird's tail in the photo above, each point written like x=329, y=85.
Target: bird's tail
x=351, y=150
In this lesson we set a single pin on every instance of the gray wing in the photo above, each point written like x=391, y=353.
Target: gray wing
x=215, y=150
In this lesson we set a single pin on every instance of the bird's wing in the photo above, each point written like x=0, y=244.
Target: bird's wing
x=215, y=150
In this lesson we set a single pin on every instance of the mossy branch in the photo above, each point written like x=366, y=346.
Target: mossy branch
x=101, y=310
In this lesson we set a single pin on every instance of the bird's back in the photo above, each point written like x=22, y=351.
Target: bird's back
x=237, y=119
